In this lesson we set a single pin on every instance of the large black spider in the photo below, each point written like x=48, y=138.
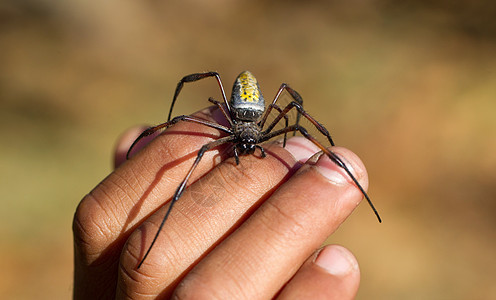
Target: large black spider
x=246, y=117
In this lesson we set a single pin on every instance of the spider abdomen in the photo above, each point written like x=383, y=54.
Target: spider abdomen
x=247, y=101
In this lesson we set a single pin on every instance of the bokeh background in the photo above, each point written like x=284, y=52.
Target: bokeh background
x=410, y=86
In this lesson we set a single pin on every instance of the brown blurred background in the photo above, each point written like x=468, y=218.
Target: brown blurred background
x=410, y=86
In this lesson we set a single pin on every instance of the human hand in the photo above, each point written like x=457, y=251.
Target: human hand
x=247, y=231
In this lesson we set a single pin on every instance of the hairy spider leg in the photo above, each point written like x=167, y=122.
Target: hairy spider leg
x=333, y=156
x=192, y=119
x=180, y=189
x=222, y=109
x=196, y=77
x=295, y=95
x=286, y=121
x=300, y=109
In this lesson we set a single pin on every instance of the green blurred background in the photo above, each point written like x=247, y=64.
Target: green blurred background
x=410, y=86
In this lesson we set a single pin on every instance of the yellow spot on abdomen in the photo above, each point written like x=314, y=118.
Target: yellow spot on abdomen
x=249, y=90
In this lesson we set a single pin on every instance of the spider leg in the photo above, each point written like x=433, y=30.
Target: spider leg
x=301, y=111
x=333, y=156
x=192, y=119
x=294, y=95
x=262, y=151
x=222, y=109
x=180, y=189
x=195, y=77
x=236, y=155
x=286, y=121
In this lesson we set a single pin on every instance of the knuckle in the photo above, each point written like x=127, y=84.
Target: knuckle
x=89, y=233
x=98, y=218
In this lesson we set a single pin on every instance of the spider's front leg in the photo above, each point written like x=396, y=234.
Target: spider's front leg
x=296, y=97
x=152, y=130
x=333, y=156
x=196, y=77
x=294, y=104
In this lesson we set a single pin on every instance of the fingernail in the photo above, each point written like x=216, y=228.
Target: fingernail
x=336, y=260
x=301, y=148
x=331, y=170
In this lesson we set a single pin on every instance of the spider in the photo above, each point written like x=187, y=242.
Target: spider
x=246, y=114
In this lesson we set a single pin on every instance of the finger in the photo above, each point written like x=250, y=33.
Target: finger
x=208, y=211
x=126, y=140
x=330, y=273
x=106, y=216
x=265, y=252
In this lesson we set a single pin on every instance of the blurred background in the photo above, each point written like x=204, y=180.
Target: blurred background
x=410, y=86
